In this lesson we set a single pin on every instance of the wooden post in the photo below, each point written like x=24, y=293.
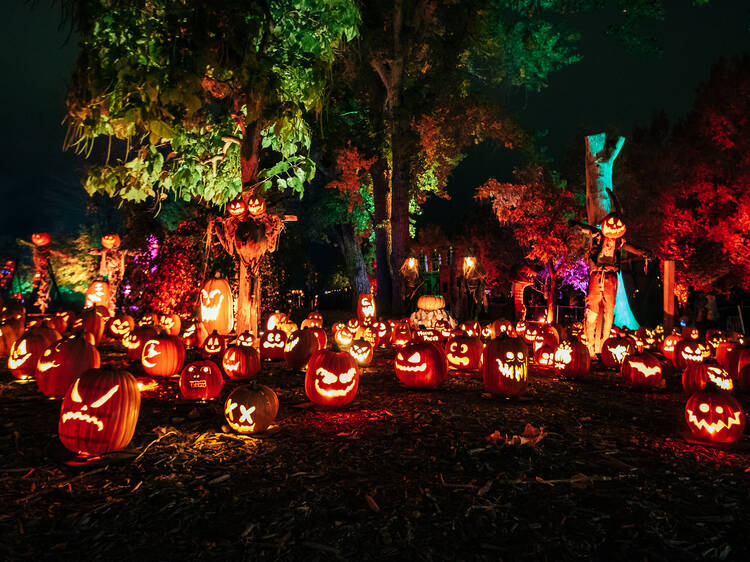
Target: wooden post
x=668, y=282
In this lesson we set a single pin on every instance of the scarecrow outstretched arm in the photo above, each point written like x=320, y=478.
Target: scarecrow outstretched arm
x=647, y=254
x=587, y=228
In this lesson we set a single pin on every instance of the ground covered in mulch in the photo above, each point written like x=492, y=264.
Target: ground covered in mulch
x=399, y=474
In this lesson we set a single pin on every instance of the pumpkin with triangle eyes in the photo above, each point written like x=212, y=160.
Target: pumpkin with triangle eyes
x=134, y=341
x=237, y=208
x=99, y=412
x=572, y=359
x=641, y=370
x=241, y=362
x=201, y=380
x=471, y=328
x=505, y=366
x=298, y=348
x=463, y=352
x=366, y=309
x=613, y=227
x=214, y=345
x=421, y=365
x=272, y=344
x=714, y=416
x=251, y=409
x=361, y=351
x=332, y=378
x=697, y=376
x=690, y=351
x=163, y=356
x=111, y=241
x=119, y=325
x=62, y=362
x=256, y=206
x=353, y=325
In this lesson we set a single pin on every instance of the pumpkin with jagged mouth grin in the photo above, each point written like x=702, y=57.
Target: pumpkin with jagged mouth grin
x=613, y=227
x=714, y=416
x=690, y=351
x=361, y=351
x=421, y=365
x=332, y=378
x=505, y=364
x=344, y=338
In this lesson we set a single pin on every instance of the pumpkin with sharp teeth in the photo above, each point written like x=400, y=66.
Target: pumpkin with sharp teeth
x=615, y=349
x=272, y=344
x=241, y=362
x=530, y=333
x=214, y=345
x=136, y=339
x=361, y=351
x=613, y=227
x=99, y=412
x=298, y=349
x=216, y=308
x=163, y=356
x=194, y=335
x=714, y=416
x=572, y=359
x=62, y=362
x=697, y=376
x=245, y=339
x=119, y=325
x=366, y=309
x=25, y=353
x=353, y=325
x=471, y=328
x=343, y=338
x=463, y=352
x=98, y=294
x=170, y=323
x=251, y=409
x=421, y=365
x=690, y=351
x=201, y=380
x=237, y=208
x=332, y=378
x=645, y=339
x=505, y=367
x=641, y=370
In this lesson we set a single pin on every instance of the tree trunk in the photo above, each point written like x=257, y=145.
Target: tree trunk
x=248, y=302
x=355, y=263
x=400, y=210
x=599, y=162
x=382, y=218
x=551, y=297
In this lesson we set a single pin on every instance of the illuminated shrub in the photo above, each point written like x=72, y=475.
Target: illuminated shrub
x=332, y=378
x=99, y=412
x=421, y=365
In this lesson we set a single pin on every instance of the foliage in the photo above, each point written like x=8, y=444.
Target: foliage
x=353, y=203
x=182, y=86
x=273, y=283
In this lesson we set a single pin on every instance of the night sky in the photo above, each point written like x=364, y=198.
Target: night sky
x=609, y=87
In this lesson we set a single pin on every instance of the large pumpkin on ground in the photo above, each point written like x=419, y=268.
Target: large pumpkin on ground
x=505, y=366
x=641, y=370
x=463, y=352
x=714, y=416
x=241, y=362
x=615, y=349
x=299, y=347
x=25, y=353
x=421, y=365
x=572, y=359
x=163, y=356
x=332, y=378
x=690, y=351
x=250, y=409
x=216, y=309
x=272, y=344
x=62, y=362
x=99, y=412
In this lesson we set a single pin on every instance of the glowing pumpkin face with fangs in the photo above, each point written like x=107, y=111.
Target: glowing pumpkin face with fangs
x=714, y=417
x=332, y=378
x=361, y=351
x=613, y=227
x=505, y=364
x=421, y=365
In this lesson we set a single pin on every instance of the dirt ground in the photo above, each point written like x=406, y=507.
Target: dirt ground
x=397, y=475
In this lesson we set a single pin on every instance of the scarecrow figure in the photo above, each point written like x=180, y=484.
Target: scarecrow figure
x=412, y=282
x=111, y=265
x=472, y=285
x=43, y=275
x=607, y=244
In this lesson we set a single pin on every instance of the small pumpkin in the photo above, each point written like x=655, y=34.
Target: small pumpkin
x=201, y=380
x=463, y=352
x=25, y=353
x=431, y=302
x=251, y=409
x=272, y=344
x=214, y=345
x=111, y=241
x=119, y=325
x=615, y=349
x=134, y=341
x=98, y=294
x=170, y=323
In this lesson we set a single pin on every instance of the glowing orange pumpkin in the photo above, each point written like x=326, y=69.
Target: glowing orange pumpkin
x=361, y=351
x=366, y=308
x=463, y=352
x=201, y=380
x=714, y=417
x=505, y=367
x=298, y=348
x=163, y=356
x=421, y=365
x=214, y=345
x=241, y=362
x=216, y=309
x=272, y=345
x=332, y=378
x=62, y=362
x=111, y=241
x=251, y=409
x=641, y=370
x=572, y=359
x=134, y=341
x=40, y=239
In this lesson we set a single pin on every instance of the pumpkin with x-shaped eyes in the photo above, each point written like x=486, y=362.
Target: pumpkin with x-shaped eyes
x=332, y=378
x=505, y=366
x=256, y=206
x=421, y=365
x=201, y=380
x=251, y=409
x=463, y=352
x=99, y=412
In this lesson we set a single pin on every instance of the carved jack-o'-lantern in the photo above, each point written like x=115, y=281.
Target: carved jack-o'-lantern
x=241, y=362
x=572, y=359
x=383, y=329
x=697, y=376
x=641, y=370
x=99, y=412
x=134, y=341
x=214, y=345
x=62, y=362
x=194, y=335
x=119, y=325
x=256, y=206
x=505, y=366
x=463, y=352
x=201, y=380
x=361, y=352
x=251, y=409
x=366, y=309
x=245, y=339
x=668, y=345
x=714, y=417
x=149, y=319
x=332, y=378
x=690, y=333
x=25, y=353
x=471, y=328
x=275, y=320
x=613, y=227
x=170, y=323
x=544, y=356
x=615, y=349
x=645, y=339
x=487, y=333
x=272, y=344
x=343, y=338
x=299, y=347
x=111, y=241
x=98, y=294
x=163, y=356
x=400, y=334
x=690, y=351
x=40, y=239
x=216, y=310
x=353, y=325
x=237, y=208
x=421, y=365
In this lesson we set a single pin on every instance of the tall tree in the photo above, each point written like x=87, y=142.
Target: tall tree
x=205, y=101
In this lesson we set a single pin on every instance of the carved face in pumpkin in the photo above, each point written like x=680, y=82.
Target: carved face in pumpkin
x=241, y=362
x=256, y=206
x=211, y=303
x=463, y=352
x=361, y=351
x=237, y=208
x=214, y=344
x=245, y=339
x=400, y=335
x=613, y=227
x=344, y=338
x=352, y=324
x=714, y=417
x=383, y=330
x=421, y=365
x=505, y=364
x=272, y=344
x=120, y=325
x=366, y=308
x=99, y=412
x=250, y=410
x=544, y=356
x=20, y=354
x=201, y=380
x=40, y=239
x=111, y=241
x=694, y=351
x=471, y=329
x=163, y=356
x=332, y=379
